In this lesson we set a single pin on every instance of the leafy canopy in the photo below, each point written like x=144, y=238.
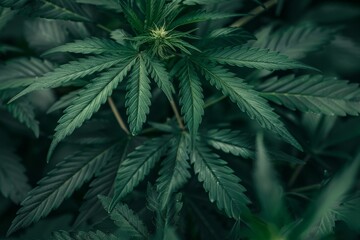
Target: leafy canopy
x=197, y=164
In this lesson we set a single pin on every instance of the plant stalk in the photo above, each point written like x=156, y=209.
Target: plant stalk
x=118, y=116
x=307, y=188
x=177, y=114
x=253, y=13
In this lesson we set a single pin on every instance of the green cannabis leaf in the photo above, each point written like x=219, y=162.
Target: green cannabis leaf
x=179, y=119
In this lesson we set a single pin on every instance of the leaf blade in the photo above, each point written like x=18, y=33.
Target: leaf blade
x=219, y=181
x=136, y=166
x=138, y=96
x=89, y=101
x=313, y=93
x=59, y=184
x=248, y=100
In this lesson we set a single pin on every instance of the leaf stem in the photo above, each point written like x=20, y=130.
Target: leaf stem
x=177, y=115
x=214, y=101
x=298, y=171
x=115, y=111
x=118, y=116
x=307, y=188
x=253, y=13
x=103, y=28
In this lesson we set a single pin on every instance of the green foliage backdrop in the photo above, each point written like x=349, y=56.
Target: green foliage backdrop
x=179, y=119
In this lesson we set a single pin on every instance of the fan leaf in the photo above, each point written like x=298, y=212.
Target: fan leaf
x=313, y=93
x=174, y=172
x=220, y=182
x=91, y=45
x=89, y=101
x=201, y=16
x=162, y=78
x=22, y=72
x=230, y=141
x=59, y=184
x=138, y=96
x=295, y=41
x=13, y=181
x=24, y=112
x=248, y=100
x=126, y=219
x=72, y=71
x=191, y=98
x=321, y=215
x=98, y=235
x=253, y=58
x=137, y=165
x=60, y=9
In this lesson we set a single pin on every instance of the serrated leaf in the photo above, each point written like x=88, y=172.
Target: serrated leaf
x=59, y=184
x=72, y=71
x=133, y=19
x=159, y=73
x=191, y=98
x=126, y=219
x=228, y=36
x=101, y=185
x=91, y=45
x=89, y=101
x=320, y=216
x=165, y=217
x=63, y=102
x=43, y=34
x=220, y=182
x=313, y=93
x=138, y=96
x=98, y=235
x=240, y=144
x=230, y=141
x=295, y=41
x=22, y=72
x=243, y=56
x=136, y=166
x=200, y=16
x=13, y=181
x=153, y=11
x=24, y=112
x=248, y=100
x=60, y=9
x=108, y=4
x=174, y=172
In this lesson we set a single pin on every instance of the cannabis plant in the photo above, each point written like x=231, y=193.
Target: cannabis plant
x=179, y=119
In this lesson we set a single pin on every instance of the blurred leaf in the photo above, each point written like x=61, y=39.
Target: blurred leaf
x=321, y=215
x=13, y=181
x=295, y=41
x=6, y=14
x=269, y=191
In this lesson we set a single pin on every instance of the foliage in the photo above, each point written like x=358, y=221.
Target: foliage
x=220, y=122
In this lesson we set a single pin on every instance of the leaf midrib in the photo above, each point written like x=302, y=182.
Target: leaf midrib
x=218, y=180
